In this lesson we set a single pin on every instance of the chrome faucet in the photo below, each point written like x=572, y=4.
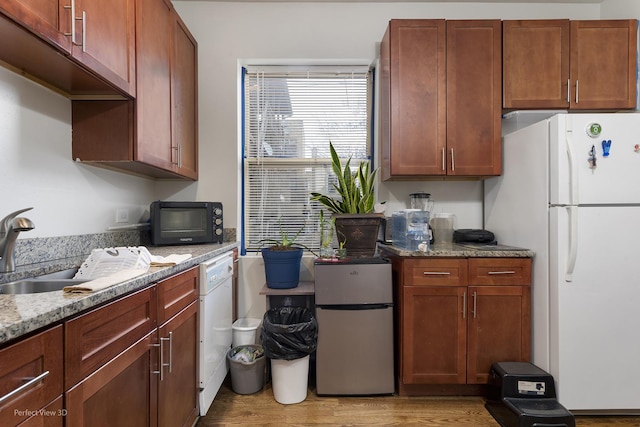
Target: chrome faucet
x=10, y=227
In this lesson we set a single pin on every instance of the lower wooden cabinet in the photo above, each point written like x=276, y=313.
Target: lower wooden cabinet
x=178, y=338
x=134, y=361
x=457, y=316
x=130, y=362
x=120, y=393
x=31, y=380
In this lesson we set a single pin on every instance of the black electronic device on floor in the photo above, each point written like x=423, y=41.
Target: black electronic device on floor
x=523, y=395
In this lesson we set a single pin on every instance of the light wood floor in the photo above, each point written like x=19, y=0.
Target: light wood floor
x=261, y=409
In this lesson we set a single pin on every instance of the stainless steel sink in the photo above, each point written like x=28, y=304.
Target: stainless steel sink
x=45, y=283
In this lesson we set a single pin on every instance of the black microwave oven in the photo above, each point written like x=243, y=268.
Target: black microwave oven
x=183, y=223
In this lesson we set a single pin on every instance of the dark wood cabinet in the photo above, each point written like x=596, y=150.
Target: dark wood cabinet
x=96, y=337
x=440, y=98
x=103, y=40
x=456, y=316
x=178, y=382
x=35, y=364
x=48, y=19
x=155, y=134
x=178, y=335
x=120, y=393
x=577, y=65
x=474, y=98
x=184, y=99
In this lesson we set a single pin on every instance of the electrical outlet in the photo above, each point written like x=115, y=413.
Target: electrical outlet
x=122, y=215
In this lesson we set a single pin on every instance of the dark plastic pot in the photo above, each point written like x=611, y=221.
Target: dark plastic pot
x=282, y=268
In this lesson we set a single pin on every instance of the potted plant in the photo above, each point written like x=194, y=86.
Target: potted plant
x=355, y=221
x=282, y=260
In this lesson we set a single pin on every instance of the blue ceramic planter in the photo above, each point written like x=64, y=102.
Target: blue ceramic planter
x=282, y=268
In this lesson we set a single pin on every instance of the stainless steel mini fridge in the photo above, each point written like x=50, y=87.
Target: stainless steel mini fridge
x=354, y=310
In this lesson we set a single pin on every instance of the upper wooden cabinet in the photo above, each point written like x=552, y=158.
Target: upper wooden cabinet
x=587, y=65
x=49, y=19
x=440, y=99
x=103, y=39
x=155, y=134
x=100, y=38
x=474, y=87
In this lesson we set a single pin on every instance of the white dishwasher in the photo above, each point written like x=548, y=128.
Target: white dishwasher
x=215, y=326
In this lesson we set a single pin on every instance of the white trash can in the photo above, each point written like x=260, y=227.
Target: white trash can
x=244, y=331
x=289, y=380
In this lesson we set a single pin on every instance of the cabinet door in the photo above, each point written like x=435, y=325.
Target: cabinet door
x=120, y=393
x=178, y=383
x=603, y=64
x=36, y=361
x=499, y=331
x=153, y=97
x=94, y=338
x=413, y=129
x=184, y=100
x=105, y=40
x=52, y=415
x=536, y=63
x=177, y=292
x=474, y=97
x=434, y=335
x=49, y=19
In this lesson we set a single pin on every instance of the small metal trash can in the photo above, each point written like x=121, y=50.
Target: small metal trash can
x=247, y=368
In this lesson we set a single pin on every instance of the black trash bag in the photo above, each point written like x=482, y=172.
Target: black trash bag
x=289, y=333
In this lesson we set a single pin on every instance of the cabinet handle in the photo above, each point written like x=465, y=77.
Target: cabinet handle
x=436, y=273
x=444, y=160
x=176, y=149
x=170, y=351
x=161, y=364
x=475, y=300
x=180, y=155
x=501, y=272
x=72, y=8
x=577, y=89
x=464, y=305
x=28, y=384
x=453, y=161
x=84, y=31
x=568, y=91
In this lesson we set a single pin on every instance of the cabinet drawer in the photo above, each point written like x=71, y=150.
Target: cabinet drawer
x=23, y=363
x=96, y=337
x=436, y=272
x=177, y=292
x=500, y=271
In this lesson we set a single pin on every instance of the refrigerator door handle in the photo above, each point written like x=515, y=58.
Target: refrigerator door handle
x=573, y=242
x=573, y=170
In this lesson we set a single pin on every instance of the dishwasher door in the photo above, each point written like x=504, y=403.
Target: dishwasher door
x=354, y=355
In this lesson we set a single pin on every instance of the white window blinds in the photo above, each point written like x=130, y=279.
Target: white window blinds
x=290, y=115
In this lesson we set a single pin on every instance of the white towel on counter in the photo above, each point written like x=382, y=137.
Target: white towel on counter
x=105, y=282
x=169, y=260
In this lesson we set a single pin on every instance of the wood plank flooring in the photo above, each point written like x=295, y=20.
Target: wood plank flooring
x=261, y=409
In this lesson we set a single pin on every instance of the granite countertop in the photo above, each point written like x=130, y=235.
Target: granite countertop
x=21, y=314
x=466, y=250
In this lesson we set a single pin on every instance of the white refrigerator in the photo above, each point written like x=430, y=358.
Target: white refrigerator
x=570, y=191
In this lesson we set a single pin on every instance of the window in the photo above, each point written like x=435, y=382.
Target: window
x=289, y=118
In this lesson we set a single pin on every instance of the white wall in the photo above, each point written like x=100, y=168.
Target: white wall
x=36, y=169
x=230, y=34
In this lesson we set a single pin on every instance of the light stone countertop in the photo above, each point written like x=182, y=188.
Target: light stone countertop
x=463, y=251
x=21, y=314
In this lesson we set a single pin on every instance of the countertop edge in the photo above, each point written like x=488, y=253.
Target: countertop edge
x=23, y=314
